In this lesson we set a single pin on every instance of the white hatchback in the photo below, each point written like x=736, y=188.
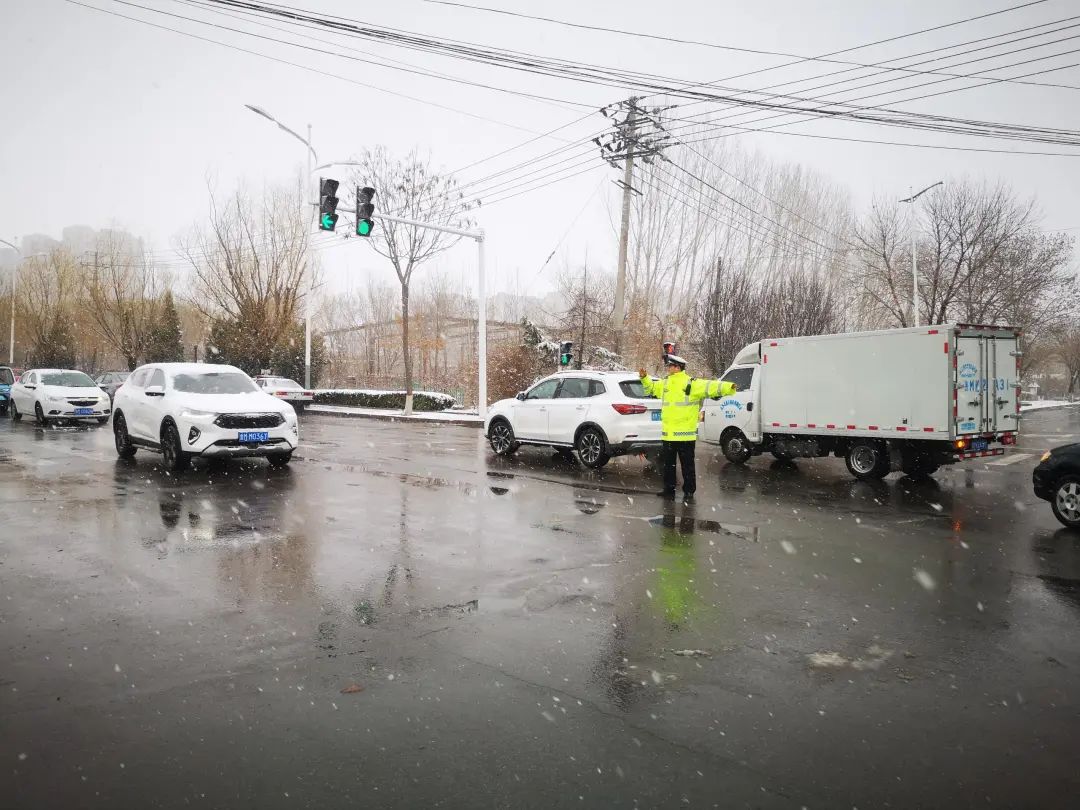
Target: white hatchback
x=185, y=410
x=53, y=393
x=599, y=414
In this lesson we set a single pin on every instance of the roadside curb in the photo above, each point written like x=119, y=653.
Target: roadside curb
x=397, y=417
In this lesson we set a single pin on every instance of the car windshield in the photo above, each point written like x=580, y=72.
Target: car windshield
x=214, y=382
x=281, y=382
x=68, y=379
x=121, y=376
x=6, y=377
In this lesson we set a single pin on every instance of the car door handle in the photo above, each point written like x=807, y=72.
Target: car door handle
x=30, y=387
x=580, y=407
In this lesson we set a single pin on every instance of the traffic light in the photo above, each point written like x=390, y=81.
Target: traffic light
x=327, y=204
x=364, y=209
x=566, y=352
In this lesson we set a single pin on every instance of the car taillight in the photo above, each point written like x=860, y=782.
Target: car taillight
x=1008, y=438
x=627, y=410
x=961, y=444
x=309, y=393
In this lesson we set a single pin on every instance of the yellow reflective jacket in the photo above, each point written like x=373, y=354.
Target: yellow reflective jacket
x=681, y=397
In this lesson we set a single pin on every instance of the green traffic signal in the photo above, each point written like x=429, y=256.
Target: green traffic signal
x=327, y=222
x=364, y=227
x=564, y=359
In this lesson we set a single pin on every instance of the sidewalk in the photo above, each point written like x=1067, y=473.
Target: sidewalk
x=462, y=418
x=1046, y=404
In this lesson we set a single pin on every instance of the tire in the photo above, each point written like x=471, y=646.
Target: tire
x=13, y=412
x=175, y=458
x=501, y=438
x=919, y=465
x=735, y=447
x=279, y=460
x=39, y=414
x=1066, y=501
x=4, y=408
x=868, y=460
x=592, y=448
x=124, y=447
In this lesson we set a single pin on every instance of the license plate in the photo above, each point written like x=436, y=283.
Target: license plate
x=980, y=444
x=655, y=416
x=84, y=411
x=253, y=436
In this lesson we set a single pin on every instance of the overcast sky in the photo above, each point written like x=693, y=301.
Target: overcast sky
x=111, y=122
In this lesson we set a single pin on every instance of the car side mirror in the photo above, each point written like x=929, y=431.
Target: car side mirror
x=521, y=395
x=155, y=391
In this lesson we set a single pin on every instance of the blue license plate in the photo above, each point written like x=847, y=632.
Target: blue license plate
x=84, y=411
x=655, y=416
x=253, y=436
x=980, y=444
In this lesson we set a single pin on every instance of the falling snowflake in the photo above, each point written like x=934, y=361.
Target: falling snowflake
x=788, y=547
x=925, y=579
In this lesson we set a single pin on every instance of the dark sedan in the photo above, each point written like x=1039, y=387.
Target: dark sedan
x=111, y=380
x=1057, y=479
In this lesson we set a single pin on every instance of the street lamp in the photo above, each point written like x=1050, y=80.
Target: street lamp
x=14, y=275
x=307, y=298
x=914, y=255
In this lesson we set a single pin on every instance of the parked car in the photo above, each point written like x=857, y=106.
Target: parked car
x=1057, y=479
x=600, y=414
x=288, y=390
x=111, y=380
x=189, y=410
x=52, y=393
x=7, y=379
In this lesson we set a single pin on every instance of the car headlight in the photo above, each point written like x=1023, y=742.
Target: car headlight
x=197, y=416
x=1045, y=456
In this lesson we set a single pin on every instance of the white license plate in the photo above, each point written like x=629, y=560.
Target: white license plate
x=253, y=436
x=84, y=411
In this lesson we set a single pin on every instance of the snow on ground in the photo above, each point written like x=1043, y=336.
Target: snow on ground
x=1043, y=404
x=470, y=417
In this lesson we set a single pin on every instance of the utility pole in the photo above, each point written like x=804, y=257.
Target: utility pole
x=626, y=143
x=624, y=230
x=584, y=313
x=914, y=252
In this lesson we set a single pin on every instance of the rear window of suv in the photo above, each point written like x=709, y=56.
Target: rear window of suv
x=634, y=388
x=6, y=377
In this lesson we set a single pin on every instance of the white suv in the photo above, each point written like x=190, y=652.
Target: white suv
x=599, y=414
x=183, y=410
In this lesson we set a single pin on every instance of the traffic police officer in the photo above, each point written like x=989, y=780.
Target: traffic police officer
x=681, y=396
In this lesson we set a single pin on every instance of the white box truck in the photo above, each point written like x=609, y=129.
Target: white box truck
x=897, y=399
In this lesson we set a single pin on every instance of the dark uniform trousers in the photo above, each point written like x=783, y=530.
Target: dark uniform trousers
x=684, y=452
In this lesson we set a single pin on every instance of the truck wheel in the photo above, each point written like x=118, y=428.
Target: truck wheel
x=868, y=460
x=1066, y=502
x=735, y=447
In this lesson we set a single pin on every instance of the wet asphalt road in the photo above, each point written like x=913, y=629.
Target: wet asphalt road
x=528, y=634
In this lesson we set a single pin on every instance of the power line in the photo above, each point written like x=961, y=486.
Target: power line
x=308, y=68
x=757, y=51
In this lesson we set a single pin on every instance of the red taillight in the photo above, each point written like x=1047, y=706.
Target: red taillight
x=961, y=444
x=627, y=410
x=1008, y=438
x=309, y=393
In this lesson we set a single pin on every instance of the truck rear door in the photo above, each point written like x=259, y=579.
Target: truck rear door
x=987, y=394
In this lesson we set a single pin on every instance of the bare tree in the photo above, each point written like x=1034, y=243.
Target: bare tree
x=1067, y=350
x=409, y=188
x=123, y=288
x=980, y=259
x=249, y=268
x=48, y=296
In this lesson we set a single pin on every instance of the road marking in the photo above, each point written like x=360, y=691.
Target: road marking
x=1012, y=459
x=1062, y=436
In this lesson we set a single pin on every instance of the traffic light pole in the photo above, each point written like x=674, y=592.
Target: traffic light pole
x=307, y=297
x=481, y=315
